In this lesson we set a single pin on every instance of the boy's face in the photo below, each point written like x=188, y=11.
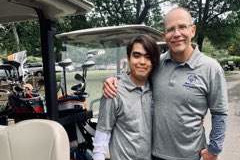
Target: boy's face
x=139, y=63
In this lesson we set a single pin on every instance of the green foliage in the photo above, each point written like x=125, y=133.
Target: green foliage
x=221, y=55
x=155, y=18
x=225, y=60
x=33, y=59
x=72, y=23
x=115, y=12
x=108, y=12
x=7, y=39
x=234, y=45
x=28, y=33
x=217, y=20
x=210, y=50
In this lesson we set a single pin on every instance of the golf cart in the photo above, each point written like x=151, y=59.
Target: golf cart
x=113, y=41
x=46, y=12
x=228, y=66
x=105, y=49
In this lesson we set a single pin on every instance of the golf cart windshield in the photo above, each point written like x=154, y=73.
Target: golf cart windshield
x=109, y=47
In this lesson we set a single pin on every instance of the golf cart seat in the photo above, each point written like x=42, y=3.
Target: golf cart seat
x=35, y=139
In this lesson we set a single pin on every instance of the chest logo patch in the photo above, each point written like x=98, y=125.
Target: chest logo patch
x=192, y=80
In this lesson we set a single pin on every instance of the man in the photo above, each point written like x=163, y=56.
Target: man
x=186, y=84
x=125, y=122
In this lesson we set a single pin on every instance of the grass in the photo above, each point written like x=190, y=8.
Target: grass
x=95, y=81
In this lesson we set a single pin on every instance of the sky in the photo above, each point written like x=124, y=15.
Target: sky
x=166, y=7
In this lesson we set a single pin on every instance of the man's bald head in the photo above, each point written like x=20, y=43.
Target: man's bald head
x=176, y=11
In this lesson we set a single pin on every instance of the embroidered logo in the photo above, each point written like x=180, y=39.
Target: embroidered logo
x=192, y=80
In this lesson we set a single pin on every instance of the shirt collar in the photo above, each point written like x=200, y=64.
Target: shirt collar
x=168, y=56
x=195, y=56
x=132, y=86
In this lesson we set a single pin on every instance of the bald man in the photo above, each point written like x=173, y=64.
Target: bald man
x=187, y=84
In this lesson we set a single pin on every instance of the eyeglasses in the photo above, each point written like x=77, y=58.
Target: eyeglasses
x=181, y=28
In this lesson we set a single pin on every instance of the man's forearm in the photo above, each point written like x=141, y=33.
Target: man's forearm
x=217, y=134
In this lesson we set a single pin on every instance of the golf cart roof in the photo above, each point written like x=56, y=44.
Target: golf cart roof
x=19, y=10
x=109, y=36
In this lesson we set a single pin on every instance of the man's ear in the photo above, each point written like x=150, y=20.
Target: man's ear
x=193, y=30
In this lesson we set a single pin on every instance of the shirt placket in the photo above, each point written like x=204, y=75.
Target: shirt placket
x=143, y=94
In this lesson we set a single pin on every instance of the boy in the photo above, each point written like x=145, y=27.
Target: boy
x=125, y=122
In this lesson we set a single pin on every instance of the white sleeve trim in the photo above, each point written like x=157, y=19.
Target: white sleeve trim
x=100, y=143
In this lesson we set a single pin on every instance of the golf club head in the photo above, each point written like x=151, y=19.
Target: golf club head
x=79, y=77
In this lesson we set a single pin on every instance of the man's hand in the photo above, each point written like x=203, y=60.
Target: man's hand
x=110, y=87
x=207, y=155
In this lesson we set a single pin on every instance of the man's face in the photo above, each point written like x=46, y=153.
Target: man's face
x=179, y=31
x=139, y=63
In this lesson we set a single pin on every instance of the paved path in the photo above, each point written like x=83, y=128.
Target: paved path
x=231, y=149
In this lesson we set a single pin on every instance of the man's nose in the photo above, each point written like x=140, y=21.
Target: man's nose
x=176, y=32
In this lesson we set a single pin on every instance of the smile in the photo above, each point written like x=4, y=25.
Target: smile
x=141, y=69
x=177, y=42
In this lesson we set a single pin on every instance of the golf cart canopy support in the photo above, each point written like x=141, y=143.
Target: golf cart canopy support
x=46, y=11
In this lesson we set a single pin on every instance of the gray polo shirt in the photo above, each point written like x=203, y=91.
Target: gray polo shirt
x=128, y=118
x=182, y=94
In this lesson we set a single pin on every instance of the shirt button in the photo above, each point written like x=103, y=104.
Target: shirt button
x=172, y=80
x=171, y=83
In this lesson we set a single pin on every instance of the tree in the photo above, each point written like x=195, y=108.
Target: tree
x=117, y=12
x=106, y=13
x=234, y=46
x=8, y=43
x=29, y=33
x=113, y=12
x=16, y=36
x=211, y=18
x=21, y=36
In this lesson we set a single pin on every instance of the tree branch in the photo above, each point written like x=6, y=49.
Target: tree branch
x=142, y=16
x=138, y=8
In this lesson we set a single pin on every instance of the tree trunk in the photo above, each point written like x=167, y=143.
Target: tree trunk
x=16, y=36
x=142, y=16
x=200, y=38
